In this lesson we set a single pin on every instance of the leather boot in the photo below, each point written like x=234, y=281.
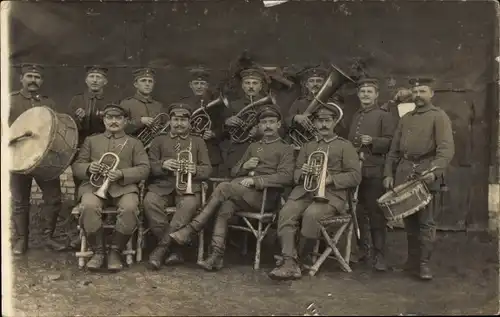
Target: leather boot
x=21, y=233
x=215, y=260
x=96, y=242
x=411, y=265
x=175, y=257
x=118, y=244
x=183, y=236
x=425, y=272
x=48, y=233
x=378, y=237
x=288, y=268
x=306, y=248
x=156, y=257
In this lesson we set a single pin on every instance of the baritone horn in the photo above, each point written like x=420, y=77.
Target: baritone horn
x=183, y=178
x=200, y=119
x=156, y=128
x=315, y=181
x=101, y=179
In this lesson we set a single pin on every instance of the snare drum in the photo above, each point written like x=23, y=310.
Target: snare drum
x=404, y=200
x=43, y=143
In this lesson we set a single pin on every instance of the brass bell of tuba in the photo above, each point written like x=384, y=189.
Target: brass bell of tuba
x=183, y=179
x=156, y=128
x=101, y=179
x=299, y=134
x=200, y=119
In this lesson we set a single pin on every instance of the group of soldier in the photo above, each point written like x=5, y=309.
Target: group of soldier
x=392, y=148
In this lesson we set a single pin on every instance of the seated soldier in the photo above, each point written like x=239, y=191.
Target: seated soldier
x=123, y=191
x=343, y=172
x=163, y=187
x=266, y=163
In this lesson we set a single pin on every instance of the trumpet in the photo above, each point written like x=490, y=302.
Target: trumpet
x=101, y=179
x=248, y=115
x=200, y=119
x=156, y=128
x=183, y=178
x=315, y=181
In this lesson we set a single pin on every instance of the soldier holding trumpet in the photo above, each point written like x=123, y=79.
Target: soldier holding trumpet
x=179, y=162
x=122, y=176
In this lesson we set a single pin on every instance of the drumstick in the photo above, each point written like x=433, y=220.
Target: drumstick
x=26, y=134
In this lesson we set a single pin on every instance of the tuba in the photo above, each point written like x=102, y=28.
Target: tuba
x=157, y=127
x=101, y=180
x=248, y=115
x=183, y=179
x=200, y=119
x=301, y=135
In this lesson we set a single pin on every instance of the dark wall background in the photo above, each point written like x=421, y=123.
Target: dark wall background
x=452, y=41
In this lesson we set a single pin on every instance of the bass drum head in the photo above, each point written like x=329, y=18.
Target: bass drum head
x=29, y=151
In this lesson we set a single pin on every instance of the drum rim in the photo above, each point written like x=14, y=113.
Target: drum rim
x=410, y=211
x=386, y=197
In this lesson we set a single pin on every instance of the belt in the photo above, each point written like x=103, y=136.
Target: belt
x=417, y=158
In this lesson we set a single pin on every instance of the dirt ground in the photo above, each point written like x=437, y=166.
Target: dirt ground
x=465, y=268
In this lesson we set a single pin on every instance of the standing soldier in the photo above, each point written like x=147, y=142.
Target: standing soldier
x=371, y=133
x=423, y=140
x=343, y=173
x=268, y=162
x=142, y=107
x=162, y=188
x=20, y=185
x=123, y=191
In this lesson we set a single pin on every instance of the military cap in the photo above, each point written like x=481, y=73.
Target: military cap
x=253, y=73
x=270, y=110
x=199, y=73
x=116, y=109
x=325, y=111
x=96, y=69
x=421, y=81
x=315, y=72
x=144, y=72
x=368, y=82
x=31, y=68
x=179, y=109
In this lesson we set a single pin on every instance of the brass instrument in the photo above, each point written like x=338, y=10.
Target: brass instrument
x=301, y=135
x=156, y=128
x=315, y=181
x=248, y=115
x=183, y=179
x=101, y=180
x=200, y=119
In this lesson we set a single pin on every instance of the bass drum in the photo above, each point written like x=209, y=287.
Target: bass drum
x=43, y=143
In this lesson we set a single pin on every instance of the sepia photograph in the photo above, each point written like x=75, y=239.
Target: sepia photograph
x=250, y=157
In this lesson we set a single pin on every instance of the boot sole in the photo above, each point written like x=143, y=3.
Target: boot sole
x=153, y=266
x=283, y=278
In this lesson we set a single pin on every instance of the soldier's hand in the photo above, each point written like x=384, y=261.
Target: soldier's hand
x=303, y=120
x=402, y=95
x=115, y=175
x=234, y=121
x=253, y=132
x=191, y=168
x=171, y=165
x=429, y=178
x=251, y=163
x=388, y=182
x=306, y=168
x=147, y=121
x=94, y=168
x=247, y=182
x=366, y=139
x=80, y=113
x=208, y=134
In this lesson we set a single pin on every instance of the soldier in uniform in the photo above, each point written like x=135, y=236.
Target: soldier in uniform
x=162, y=189
x=344, y=172
x=20, y=185
x=123, y=191
x=142, y=107
x=423, y=140
x=371, y=134
x=268, y=162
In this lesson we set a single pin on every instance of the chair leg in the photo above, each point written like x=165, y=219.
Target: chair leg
x=348, y=242
x=83, y=249
x=201, y=246
x=315, y=253
x=130, y=253
x=258, y=247
x=140, y=239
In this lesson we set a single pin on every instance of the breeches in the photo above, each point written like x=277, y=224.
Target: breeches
x=246, y=199
x=369, y=212
x=126, y=220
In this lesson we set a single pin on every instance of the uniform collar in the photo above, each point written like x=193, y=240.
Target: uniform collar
x=175, y=136
x=26, y=94
x=269, y=141
x=424, y=109
x=142, y=98
x=366, y=110
x=89, y=94
x=118, y=135
x=329, y=140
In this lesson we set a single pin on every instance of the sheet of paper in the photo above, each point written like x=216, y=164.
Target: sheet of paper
x=404, y=108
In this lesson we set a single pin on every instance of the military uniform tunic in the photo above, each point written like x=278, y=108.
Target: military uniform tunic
x=139, y=106
x=92, y=123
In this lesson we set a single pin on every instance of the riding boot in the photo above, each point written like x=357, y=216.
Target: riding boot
x=183, y=236
x=21, y=233
x=215, y=260
x=378, y=237
x=156, y=257
x=288, y=268
x=425, y=272
x=96, y=242
x=50, y=223
x=175, y=257
x=306, y=248
x=364, y=244
x=412, y=262
x=118, y=244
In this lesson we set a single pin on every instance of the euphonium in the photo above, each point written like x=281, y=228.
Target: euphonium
x=183, y=179
x=156, y=128
x=200, y=119
x=248, y=115
x=337, y=78
x=101, y=180
x=315, y=181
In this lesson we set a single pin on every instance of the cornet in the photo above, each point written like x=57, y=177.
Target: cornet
x=183, y=178
x=156, y=128
x=101, y=179
x=200, y=119
x=315, y=181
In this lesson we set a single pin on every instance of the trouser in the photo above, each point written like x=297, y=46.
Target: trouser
x=312, y=213
x=154, y=211
x=371, y=219
x=126, y=220
x=20, y=186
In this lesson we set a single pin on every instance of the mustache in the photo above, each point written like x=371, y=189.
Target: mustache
x=33, y=84
x=268, y=130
